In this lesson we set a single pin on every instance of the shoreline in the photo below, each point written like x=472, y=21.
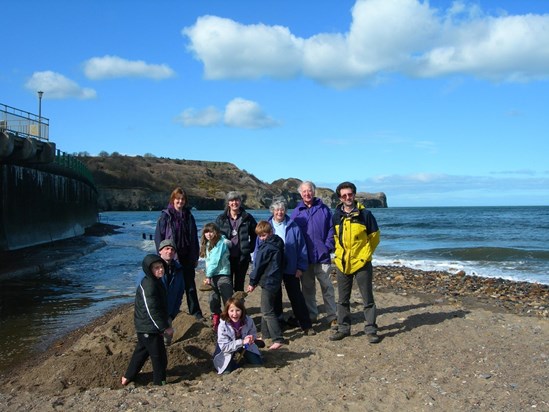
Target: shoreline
x=493, y=294
x=447, y=345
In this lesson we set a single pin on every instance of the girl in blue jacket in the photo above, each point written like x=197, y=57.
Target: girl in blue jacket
x=214, y=248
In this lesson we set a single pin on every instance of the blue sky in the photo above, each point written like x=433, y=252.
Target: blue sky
x=435, y=103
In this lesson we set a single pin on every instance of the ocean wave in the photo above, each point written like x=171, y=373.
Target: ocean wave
x=511, y=270
x=487, y=253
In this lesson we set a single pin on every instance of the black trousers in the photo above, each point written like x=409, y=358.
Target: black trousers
x=293, y=289
x=190, y=288
x=149, y=345
x=238, y=272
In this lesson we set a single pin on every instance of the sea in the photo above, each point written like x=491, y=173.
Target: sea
x=501, y=242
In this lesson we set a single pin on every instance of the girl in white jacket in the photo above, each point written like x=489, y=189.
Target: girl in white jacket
x=237, y=340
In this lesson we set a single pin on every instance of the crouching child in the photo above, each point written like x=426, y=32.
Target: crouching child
x=237, y=341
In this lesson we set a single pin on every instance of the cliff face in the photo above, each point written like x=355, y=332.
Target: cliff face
x=145, y=183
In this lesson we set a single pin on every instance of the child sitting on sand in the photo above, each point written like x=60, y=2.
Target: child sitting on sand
x=213, y=247
x=151, y=322
x=236, y=338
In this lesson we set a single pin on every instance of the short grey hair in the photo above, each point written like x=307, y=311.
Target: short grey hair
x=277, y=204
x=234, y=195
x=307, y=183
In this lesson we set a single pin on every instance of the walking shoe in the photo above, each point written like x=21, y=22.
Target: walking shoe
x=309, y=332
x=333, y=324
x=200, y=317
x=215, y=322
x=373, y=338
x=338, y=336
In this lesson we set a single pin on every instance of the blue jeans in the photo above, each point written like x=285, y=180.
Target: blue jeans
x=247, y=357
x=344, y=286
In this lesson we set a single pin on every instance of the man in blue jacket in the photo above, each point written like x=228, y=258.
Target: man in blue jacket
x=315, y=220
x=173, y=281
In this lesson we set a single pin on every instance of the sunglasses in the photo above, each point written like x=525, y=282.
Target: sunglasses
x=346, y=195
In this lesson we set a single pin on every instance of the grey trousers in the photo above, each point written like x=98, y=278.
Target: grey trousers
x=320, y=271
x=363, y=279
x=222, y=291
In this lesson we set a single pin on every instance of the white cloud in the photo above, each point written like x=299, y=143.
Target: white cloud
x=239, y=113
x=57, y=86
x=408, y=37
x=110, y=67
x=230, y=49
x=209, y=116
x=247, y=114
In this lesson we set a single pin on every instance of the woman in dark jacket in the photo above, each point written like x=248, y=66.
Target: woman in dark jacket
x=151, y=322
x=176, y=222
x=239, y=227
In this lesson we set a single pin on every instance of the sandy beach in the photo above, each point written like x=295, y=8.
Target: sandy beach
x=450, y=342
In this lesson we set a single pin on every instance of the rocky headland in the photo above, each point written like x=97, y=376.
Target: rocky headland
x=145, y=183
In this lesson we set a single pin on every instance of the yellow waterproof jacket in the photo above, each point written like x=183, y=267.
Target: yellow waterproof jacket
x=356, y=236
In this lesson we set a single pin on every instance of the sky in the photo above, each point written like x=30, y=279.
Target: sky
x=434, y=103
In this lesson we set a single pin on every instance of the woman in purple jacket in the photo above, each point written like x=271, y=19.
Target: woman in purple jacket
x=315, y=220
x=176, y=222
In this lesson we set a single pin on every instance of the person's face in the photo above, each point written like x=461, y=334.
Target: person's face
x=179, y=202
x=167, y=253
x=347, y=197
x=157, y=269
x=278, y=214
x=307, y=194
x=263, y=236
x=234, y=204
x=235, y=313
x=208, y=235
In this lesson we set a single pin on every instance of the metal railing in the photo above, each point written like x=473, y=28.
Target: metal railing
x=24, y=124
x=72, y=163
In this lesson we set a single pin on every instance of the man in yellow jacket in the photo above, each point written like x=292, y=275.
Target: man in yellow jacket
x=356, y=236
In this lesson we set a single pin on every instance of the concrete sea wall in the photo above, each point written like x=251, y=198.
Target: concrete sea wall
x=43, y=203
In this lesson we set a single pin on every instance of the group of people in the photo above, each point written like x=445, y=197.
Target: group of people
x=293, y=250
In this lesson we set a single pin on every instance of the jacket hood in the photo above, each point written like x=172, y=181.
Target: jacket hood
x=275, y=240
x=149, y=260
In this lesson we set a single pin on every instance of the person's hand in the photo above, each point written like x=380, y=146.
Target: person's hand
x=298, y=273
x=248, y=340
x=207, y=281
x=168, y=331
x=250, y=288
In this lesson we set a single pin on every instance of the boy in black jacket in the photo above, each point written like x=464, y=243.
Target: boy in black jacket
x=267, y=273
x=151, y=322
